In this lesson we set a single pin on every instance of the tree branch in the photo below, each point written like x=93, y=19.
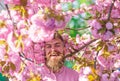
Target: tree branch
x=73, y=53
x=77, y=29
x=9, y=14
x=110, y=10
x=23, y=56
x=95, y=59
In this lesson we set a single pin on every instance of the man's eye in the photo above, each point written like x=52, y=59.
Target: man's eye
x=48, y=46
x=57, y=45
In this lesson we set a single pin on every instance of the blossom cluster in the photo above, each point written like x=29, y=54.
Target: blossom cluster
x=28, y=23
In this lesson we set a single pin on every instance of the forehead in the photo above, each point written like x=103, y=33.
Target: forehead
x=54, y=41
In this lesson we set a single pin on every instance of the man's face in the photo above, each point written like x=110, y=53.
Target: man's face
x=54, y=51
x=54, y=48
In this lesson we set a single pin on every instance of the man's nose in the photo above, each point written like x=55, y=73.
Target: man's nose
x=53, y=49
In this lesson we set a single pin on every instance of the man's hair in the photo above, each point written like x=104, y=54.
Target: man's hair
x=57, y=35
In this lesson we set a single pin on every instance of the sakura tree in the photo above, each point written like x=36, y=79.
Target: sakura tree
x=90, y=29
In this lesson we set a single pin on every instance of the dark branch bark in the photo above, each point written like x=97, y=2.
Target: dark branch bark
x=9, y=14
x=23, y=56
x=73, y=53
x=110, y=10
x=77, y=29
x=95, y=59
x=8, y=11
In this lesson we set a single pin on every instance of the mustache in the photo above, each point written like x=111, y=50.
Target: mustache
x=54, y=53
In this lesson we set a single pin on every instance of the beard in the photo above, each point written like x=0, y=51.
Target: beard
x=55, y=63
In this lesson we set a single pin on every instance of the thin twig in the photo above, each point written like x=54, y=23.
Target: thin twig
x=9, y=14
x=23, y=56
x=69, y=55
x=110, y=10
x=115, y=18
x=95, y=59
x=77, y=29
x=8, y=11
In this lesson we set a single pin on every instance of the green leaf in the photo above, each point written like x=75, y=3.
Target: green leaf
x=81, y=1
x=88, y=2
x=69, y=63
x=71, y=24
x=76, y=5
x=85, y=15
x=66, y=6
x=73, y=33
x=81, y=24
x=3, y=78
x=85, y=31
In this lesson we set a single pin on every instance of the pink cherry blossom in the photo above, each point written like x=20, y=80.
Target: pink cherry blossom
x=117, y=64
x=39, y=58
x=87, y=70
x=83, y=78
x=107, y=35
x=117, y=4
x=11, y=44
x=60, y=24
x=15, y=59
x=96, y=24
x=3, y=33
x=37, y=34
x=111, y=47
x=44, y=17
x=115, y=13
x=9, y=24
x=16, y=15
x=21, y=24
x=105, y=77
x=114, y=76
x=12, y=2
x=102, y=61
x=37, y=18
x=117, y=30
x=66, y=0
x=47, y=2
x=50, y=24
x=2, y=51
x=109, y=25
x=28, y=53
x=95, y=33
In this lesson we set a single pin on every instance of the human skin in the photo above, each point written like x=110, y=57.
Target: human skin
x=54, y=50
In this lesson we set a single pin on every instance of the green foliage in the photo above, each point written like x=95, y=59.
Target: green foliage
x=66, y=6
x=76, y=4
x=88, y=2
x=78, y=21
x=78, y=24
x=86, y=15
x=3, y=78
x=69, y=63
